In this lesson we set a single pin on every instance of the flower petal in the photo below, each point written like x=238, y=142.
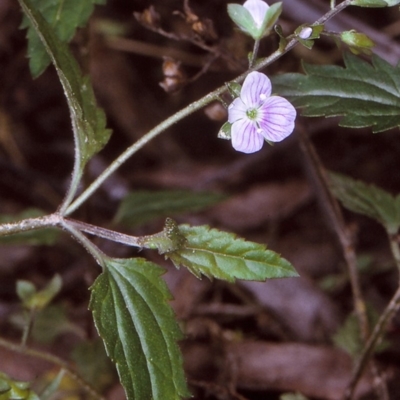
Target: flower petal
x=276, y=118
x=236, y=110
x=257, y=9
x=256, y=87
x=245, y=137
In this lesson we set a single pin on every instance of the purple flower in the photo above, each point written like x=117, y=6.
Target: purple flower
x=256, y=115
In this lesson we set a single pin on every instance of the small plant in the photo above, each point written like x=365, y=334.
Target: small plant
x=129, y=298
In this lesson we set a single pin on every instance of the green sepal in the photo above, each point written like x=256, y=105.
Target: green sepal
x=357, y=42
x=225, y=131
x=234, y=89
x=282, y=38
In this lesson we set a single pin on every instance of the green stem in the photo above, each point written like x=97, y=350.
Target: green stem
x=97, y=254
x=254, y=53
x=73, y=186
x=106, y=233
x=197, y=105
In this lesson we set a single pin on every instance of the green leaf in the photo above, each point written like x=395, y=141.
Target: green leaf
x=349, y=339
x=64, y=16
x=40, y=237
x=130, y=307
x=34, y=300
x=15, y=390
x=88, y=121
x=142, y=206
x=365, y=94
x=222, y=255
x=368, y=200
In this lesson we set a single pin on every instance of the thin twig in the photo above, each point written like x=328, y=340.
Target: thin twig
x=345, y=236
x=380, y=327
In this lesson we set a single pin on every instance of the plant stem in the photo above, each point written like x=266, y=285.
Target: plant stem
x=197, y=105
x=29, y=224
x=344, y=234
x=97, y=254
x=106, y=233
x=254, y=53
x=54, y=360
x=379, y=328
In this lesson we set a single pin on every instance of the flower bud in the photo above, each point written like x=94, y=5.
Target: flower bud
x=255, y=17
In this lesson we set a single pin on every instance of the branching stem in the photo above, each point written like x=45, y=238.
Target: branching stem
x=197, y=105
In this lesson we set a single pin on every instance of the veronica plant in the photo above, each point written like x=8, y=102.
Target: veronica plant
x=129, y=299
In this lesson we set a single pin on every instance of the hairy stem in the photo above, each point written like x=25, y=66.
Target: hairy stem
x=344, y=234
x=29, y=224
x=106, y=233
x=197, y=105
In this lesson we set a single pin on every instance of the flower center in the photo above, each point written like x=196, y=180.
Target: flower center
x=252, y=113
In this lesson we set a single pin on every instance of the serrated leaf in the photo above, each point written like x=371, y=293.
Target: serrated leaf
x=46, y=237
x=142, y=206
x=364, y=94
x=64, y=16
x=130, y=307
x=368, y=200
x=88, y=120
x=222, y=255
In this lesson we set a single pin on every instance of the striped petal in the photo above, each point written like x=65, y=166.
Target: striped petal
x=276, y=118
x=245, y=137
x=256, y=88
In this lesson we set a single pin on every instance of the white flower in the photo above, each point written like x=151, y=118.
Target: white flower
x=256, y=115
x=258, y=10
x=256, y=18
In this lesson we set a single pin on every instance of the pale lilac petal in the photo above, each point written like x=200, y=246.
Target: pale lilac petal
x=276, y=118
x=236, y=110
x=256, y=87
x=257, y=9
x=245, y=137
